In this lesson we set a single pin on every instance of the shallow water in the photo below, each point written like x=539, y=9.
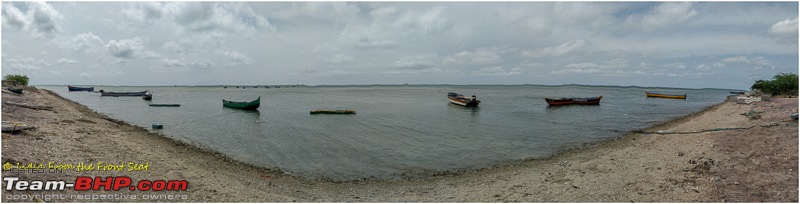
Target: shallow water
x=398, y=130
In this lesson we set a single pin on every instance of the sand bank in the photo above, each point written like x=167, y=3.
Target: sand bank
x=758, y=164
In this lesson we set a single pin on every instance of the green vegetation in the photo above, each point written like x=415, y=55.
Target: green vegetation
x=783, y=83
x=17, y=79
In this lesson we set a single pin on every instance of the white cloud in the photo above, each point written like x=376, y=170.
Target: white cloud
x=236, y=58
x=479, y=56
x=554, y=51
x=756, y=62
x=83, y=43
x=24, y=63
x=217, y=16
x=668, y=14
x=129, y=48
x=40, y=17
x=497, y=71
x=676, y=65
x=785, y=31
x=339, y=58
x=66, y=61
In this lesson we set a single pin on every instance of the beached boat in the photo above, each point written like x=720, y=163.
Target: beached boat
x=12, y=127
x=460, y=100
x=658, y=95
x=141, y=93
x=737, y=92
x=15, y=90
x=568, y=101
x=322, y=111
x=166, y=105
x=246, y=105
x=75, y=88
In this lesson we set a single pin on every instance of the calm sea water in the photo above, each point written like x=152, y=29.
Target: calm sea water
x=398, y=131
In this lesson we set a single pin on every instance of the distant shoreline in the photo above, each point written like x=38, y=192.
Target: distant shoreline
x=391, y=85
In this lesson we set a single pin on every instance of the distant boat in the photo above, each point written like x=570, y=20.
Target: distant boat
x=658, y=95
x=141, y=93
x=246, y=105
x=148, y=96
x=166, y=105
x=568, y=101
x=75, y=88
x=322, y=111
x=15, y=90
x=460, y=100
x=737, y=92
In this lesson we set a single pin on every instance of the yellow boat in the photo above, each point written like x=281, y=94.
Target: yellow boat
x=321, y=111
x=658, y=95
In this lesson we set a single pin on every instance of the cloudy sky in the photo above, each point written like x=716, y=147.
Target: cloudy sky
x=671, y=44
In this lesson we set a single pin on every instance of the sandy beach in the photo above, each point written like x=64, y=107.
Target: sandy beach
x=731, y=158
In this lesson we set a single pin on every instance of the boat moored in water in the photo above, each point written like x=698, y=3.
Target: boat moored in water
x=104, y=93
x=569, y=101
x=658, y=95
x=246, y=105
x=460, y=100
x=75, y=88
x=324, y=111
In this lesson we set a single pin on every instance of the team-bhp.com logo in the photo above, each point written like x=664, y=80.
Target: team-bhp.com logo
x=84, y=183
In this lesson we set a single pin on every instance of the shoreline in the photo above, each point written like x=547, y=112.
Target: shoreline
x=218, y=178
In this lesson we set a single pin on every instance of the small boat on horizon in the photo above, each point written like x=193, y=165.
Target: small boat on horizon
x=570, y=101
x=246, y=105
x=658, y=95
x=76, y=88
x=460, y=100
x=104, y=93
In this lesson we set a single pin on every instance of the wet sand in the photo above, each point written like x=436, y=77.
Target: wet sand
x=758, y=164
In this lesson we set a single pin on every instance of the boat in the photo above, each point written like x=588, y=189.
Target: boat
x=166, y=105
x=15, y=90
x=323, y=111
x=75, y=88
x=141, y=93
x=460, y=100
x=569, y=101
x=737, y=92
x=148, y=96
x=8, y=126
x=246, y=105
x=658, y=95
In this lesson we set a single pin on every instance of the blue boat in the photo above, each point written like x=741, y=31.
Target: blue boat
x=75, y=88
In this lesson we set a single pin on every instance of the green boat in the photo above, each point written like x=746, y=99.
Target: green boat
x=246, y=105
x=166, y=105
x=18, y=91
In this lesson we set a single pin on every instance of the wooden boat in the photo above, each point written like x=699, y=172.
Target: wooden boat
x=569, y=101
x=166, y=105
x=737, y=92
x=460, y=100
x=15, y=90
x=658, y=95
x=322, y=111
x=13, y=126
x=246, y=105
x=141, y=93
x=75, y=88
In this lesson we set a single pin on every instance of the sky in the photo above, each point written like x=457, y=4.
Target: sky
x=651, y=44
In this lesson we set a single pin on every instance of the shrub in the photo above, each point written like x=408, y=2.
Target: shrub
x=783, y=83
x=17, y=79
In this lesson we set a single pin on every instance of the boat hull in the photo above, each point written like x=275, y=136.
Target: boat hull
x=251, y=105
x=142, y=93
x=320, y=111
x=460, y=100
x=658, y=95
x=575, y=101
x=17, y=91
x=75, y=88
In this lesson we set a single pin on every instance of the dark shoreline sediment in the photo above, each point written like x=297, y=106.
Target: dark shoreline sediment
x=634, y=167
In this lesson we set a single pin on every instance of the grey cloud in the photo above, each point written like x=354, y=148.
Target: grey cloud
x=40, y=17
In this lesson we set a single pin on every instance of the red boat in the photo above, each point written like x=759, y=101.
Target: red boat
x=568, y=101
